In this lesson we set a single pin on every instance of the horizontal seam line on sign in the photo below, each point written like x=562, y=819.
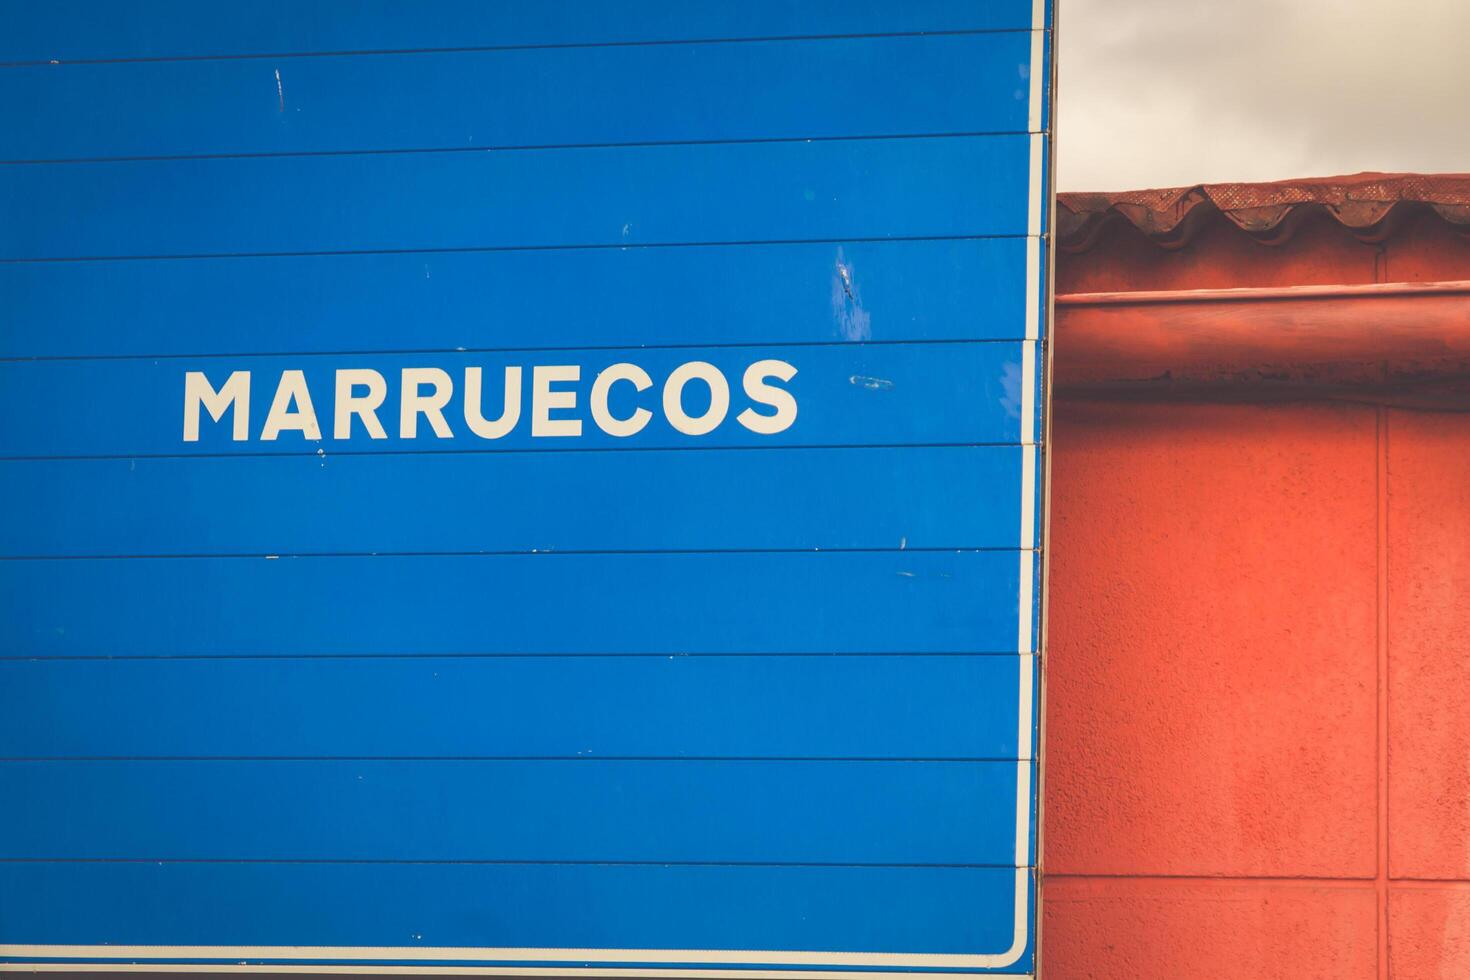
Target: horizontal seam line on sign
x=458, y=249
x=499, y=148
x=515, y=863
x=487, y=249
x=308, y=453
x=890, y=760
x=633, y=349
x=247, y=657
x=544, y=46
x=524, y=552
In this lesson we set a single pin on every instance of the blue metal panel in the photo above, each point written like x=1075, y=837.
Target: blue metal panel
x=808, y=602
x=547, y=810
x=71, y=30
x=420, y=909
x=778, y=499
x=957, y=83
x=751, y=697
x=863, y=291
x=846, y=395
x=829, y=190
x=749, y=707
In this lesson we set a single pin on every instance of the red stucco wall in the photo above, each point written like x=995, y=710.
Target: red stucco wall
x=1258, y=669
x=1428, y=705
x=1258, y=720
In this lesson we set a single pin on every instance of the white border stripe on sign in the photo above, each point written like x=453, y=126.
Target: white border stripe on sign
x=480, y=971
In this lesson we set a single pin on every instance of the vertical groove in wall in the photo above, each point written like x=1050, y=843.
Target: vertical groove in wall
x=1381, y=452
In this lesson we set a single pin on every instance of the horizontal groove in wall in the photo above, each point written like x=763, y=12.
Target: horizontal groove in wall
x=369, y=52
x=284, y=556
x=309, y=451
x=545, y=863
x=466, y=656
x=568, y=552
x=506, y=758
x=456, y=351
x=446, y=250
x=514, y=148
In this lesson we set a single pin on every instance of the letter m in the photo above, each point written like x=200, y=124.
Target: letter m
x=234, y=394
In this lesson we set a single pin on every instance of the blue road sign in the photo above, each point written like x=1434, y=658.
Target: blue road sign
x=537, y=489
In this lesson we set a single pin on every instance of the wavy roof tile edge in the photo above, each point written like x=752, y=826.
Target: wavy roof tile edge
x=1370, y=205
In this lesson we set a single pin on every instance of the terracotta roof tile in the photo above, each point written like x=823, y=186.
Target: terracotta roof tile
x=1368, y=204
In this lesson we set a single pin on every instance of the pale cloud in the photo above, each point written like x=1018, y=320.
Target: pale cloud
x=1162, y=93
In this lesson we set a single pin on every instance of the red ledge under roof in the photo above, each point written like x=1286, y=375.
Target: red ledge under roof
x=1370, y=205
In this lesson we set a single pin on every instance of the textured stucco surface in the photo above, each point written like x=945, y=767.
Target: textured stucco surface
x=1258, y=683
x=1429, y=932
x=1211, y=682
x=1127, y=929
x=1429, y=645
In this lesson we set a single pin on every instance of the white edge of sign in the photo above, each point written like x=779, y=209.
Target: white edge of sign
x=336, y=969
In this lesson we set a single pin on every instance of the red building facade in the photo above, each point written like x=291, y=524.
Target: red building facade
x=1258, y=679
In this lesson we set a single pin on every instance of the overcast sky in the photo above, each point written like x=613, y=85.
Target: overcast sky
x=1164, y=93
